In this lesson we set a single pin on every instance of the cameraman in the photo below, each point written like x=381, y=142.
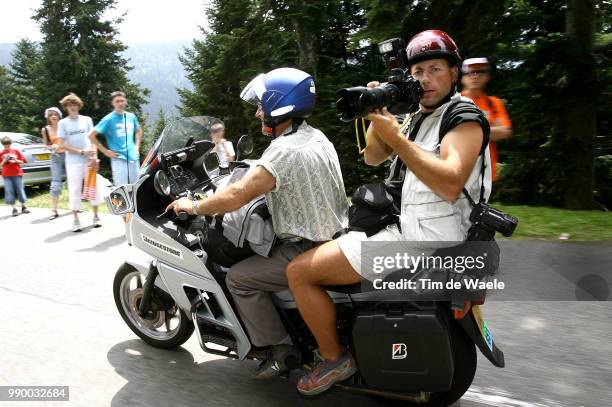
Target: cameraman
x=436, y=153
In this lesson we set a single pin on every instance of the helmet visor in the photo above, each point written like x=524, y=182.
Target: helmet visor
x=254, y=90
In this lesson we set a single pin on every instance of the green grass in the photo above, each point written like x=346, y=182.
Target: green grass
x=536, y=222
x=39, y=197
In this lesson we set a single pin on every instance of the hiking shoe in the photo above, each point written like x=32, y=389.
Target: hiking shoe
x=15, y=212
x=326, y=373
x=283, y=359
x=96, y=222
x=24, y=209
x=76, y=226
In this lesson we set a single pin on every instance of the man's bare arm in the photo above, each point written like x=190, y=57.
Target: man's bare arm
x=138, y=138
x=93, y=136
x=376, y=151
x=233, y=197
x=500, y=133
x=446, y=175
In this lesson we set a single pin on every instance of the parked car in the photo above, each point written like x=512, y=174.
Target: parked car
x=37, y=169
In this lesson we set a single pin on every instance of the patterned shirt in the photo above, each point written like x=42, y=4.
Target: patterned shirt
x=308, y=200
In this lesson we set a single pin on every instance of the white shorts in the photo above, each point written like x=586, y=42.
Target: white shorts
x=350, y=245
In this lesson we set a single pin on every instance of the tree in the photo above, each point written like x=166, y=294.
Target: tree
x=261, y=35
x=6, y=99
x=150, y=137
x=580, y=110
x=81, y=54
x=24, y=113
x=538, y=51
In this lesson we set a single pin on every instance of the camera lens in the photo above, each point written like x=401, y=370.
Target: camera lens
x=401, y=96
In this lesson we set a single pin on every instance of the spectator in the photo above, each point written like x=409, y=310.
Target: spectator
x=123, y=135
x=10, y=163
x=475, y=78
x=72, y=134
x=58, y=159
x=223, y=148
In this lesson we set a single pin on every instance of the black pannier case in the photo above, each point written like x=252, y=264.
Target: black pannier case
x=403, y=349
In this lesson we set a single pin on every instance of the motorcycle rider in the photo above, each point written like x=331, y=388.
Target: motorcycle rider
x=300, y=175
x=427, y=177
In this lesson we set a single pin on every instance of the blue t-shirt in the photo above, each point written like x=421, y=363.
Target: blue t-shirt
x=113, y=127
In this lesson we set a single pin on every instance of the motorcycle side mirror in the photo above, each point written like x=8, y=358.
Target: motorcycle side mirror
x=244, y=146
x=119, y=201
x=211, y=162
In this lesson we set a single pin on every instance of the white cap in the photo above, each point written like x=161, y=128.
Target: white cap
x=474, y=61
x=53, y=109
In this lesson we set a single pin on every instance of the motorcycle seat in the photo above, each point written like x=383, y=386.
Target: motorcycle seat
x=285, y=298
x=362, y=286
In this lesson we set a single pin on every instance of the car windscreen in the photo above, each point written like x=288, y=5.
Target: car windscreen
x=25, y=139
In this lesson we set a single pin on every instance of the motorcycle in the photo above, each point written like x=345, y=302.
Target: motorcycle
x=408, y=351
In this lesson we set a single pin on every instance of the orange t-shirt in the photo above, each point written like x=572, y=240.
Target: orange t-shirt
x=51, y=135
x=496, y=113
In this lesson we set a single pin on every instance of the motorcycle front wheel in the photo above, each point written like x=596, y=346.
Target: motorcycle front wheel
x=162, y=329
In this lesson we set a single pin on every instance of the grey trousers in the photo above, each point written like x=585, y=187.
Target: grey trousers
x=251, y=281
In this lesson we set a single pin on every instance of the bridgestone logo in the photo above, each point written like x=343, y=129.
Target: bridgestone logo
x=161, y=246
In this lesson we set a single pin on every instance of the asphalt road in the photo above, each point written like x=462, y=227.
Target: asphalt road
x=60, y=327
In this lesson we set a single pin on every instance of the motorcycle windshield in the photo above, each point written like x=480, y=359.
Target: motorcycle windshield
x=186, y=131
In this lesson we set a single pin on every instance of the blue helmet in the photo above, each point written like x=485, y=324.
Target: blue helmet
x=283, y=93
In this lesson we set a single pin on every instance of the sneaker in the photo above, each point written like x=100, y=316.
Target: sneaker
x=96, y=222
x=326, y=373
x=76, y=226
x=24, y=209
x=54, y=215
x=15, y=212
x=283, y=359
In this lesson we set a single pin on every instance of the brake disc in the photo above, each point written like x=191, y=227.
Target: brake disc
x=153, y=320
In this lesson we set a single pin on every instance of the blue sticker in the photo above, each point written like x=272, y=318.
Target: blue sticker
x=488, y=337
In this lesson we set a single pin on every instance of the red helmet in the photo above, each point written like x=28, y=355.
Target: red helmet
x=432, y=44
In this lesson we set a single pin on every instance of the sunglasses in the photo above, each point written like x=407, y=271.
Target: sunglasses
x=477, y=72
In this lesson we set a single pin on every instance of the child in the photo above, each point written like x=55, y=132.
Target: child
x=12, y=173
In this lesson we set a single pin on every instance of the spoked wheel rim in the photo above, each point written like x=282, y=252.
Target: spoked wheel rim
x=159, y=325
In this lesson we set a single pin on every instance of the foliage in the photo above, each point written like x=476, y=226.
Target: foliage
x=257, y=36
x=81, y=54
x=537, y=53
x=22, y=113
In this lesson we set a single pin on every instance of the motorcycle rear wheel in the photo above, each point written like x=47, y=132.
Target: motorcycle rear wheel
x=127, y=290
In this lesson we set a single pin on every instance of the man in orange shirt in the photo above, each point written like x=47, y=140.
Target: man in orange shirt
x=475, y=78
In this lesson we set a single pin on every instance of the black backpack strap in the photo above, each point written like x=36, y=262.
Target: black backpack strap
x=482, y=185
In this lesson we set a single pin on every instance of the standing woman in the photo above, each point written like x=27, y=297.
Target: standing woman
x=49, y=135
x=72, y=134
